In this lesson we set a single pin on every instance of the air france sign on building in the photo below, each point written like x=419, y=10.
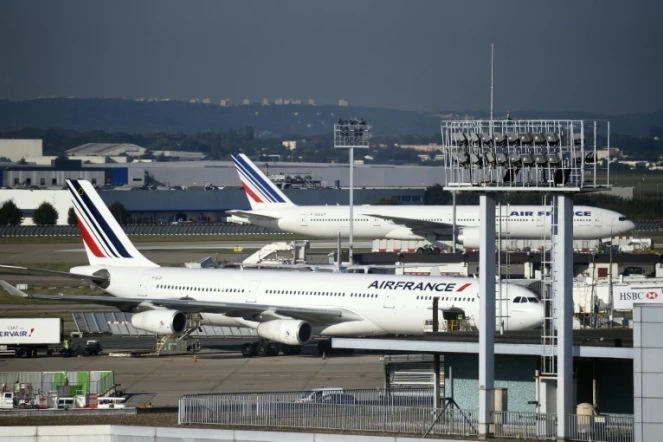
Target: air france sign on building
x=625, y=296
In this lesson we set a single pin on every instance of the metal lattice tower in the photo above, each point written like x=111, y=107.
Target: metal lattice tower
x=558, y=158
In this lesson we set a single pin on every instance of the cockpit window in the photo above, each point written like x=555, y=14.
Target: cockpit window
x=532, y=299
x=623, y=218
x=517, y=300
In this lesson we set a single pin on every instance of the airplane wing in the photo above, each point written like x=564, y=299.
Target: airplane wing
x=248, y=311
x=249, y=214
x=31, y=271
x=417, y=226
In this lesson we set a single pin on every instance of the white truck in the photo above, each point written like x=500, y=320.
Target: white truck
x=26, y=337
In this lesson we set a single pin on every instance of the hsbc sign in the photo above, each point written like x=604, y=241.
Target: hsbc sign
x=625, y=296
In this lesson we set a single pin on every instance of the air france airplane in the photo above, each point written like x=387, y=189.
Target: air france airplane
x=272, y=209
x=288, y=308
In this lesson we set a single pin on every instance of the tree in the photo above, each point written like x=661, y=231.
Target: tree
x=391, y=201
x=10, y=214
x=71, y=217
x=45, y=215
x=119, y=212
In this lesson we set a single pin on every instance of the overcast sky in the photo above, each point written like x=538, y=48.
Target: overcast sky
x=598, y=56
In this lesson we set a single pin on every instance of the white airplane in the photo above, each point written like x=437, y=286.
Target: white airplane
x=272, y=209
x=284, y=307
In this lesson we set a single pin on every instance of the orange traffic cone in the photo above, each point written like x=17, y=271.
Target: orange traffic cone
x=195, y=358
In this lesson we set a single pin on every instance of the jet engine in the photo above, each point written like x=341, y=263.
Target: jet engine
x=161, y=322
x=470, y=237
x=286, y=331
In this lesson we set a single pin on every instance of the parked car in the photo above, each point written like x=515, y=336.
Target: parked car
x=317, y=394
x=339, y=398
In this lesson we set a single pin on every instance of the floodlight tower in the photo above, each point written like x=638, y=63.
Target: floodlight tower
x=349, y=134
x=551, y=157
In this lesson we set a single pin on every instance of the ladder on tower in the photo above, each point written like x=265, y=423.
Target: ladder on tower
x=548, y=331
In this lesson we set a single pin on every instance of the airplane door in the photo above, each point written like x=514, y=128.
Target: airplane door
x=142, y=285
x=377, y=222
x=597, y=220
x=253, y=289
x=389, y=299
x=304, y=219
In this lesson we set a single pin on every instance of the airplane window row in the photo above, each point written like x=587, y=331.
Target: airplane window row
x=200, y=289
x=316, y=293
x=303, y=292
x=447, y=298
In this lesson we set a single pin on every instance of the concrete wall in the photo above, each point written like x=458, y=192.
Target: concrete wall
x=17, y=149
x=647, y=372
x=121, y=433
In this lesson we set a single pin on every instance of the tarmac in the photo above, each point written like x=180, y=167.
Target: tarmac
x=219, y=368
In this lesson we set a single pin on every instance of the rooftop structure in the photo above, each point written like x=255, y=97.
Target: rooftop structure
x=106, y=149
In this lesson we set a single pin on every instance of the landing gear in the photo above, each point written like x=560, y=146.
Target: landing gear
x=248, y=350
x=428, y=250
x=265, y=348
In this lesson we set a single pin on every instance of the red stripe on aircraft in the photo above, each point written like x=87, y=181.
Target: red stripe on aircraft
x=250, y=193
x=464, y=286
x=89, y=241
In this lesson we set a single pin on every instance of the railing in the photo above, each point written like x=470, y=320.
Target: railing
x=601, y=428
x=525, y=425
x=362, y=410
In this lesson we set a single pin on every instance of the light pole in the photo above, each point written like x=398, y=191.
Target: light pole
x=349, y=134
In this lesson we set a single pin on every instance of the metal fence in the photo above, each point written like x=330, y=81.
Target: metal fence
x=66, y=383
x=141, y=229
x=525, y=425
x=601, y=428
x=398, y=411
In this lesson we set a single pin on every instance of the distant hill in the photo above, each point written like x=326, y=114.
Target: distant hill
x=116, y=115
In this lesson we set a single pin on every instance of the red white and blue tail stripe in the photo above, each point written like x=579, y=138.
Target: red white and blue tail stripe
x=262, y=193
x=105, y=241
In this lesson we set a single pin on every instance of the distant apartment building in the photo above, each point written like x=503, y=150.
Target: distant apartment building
x=246, y=101
x=207, y=100
x=310, y=102
x=225, y=102
x=343, y=103
x=265, y=102
x=290, y=145
x=432, y=147
x=278, y=101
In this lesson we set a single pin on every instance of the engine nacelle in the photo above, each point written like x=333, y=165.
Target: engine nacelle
x=161, y=322
x=286, y=331
x=470, y=237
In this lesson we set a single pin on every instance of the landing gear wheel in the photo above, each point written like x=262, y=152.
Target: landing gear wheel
x=436, y=250
x=262, y=349
x=287, y=349
x=421, y=251
x=324, y=347
x=248, y=350
x=22, y=353
x=272, y=349
x=429, y=250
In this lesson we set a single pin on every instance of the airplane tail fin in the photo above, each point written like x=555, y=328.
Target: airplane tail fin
x=105, y=241
x=261, y=192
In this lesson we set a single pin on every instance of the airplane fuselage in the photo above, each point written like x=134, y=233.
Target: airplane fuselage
x=378, y=304
x=517, y=222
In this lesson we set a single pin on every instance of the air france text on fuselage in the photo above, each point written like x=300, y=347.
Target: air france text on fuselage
x=422, y=286
x=546, y=213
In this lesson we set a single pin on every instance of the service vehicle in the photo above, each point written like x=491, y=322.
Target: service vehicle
x=27, y=337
